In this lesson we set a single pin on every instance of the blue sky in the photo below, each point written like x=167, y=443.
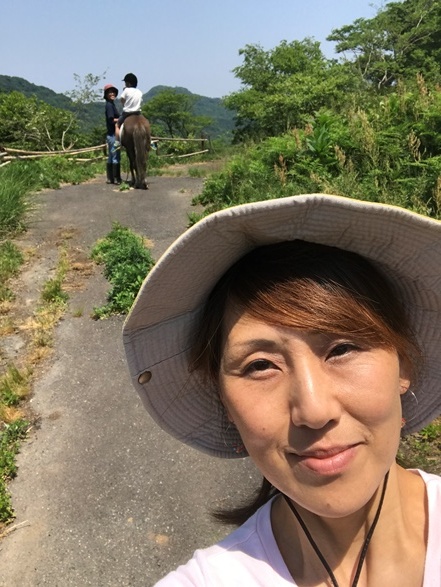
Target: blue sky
x=190, y=43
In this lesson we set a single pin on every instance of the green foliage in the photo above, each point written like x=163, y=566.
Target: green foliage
x=369, y=128
x=196, y=172
x=32, y=124
x=10, y=436
x=422, y=450
x=86, y=118
x=11, y=259
x=221, y=119
x=374, y=154
x=17, y=182
x=126, y=263
x=19, y=179
x=90, y=115
x=401, y=41
x=85, y=90
x=13, y=386
x=53, y=293
x=173, y=111
x=10, y=84
x=431, y=432
x=283, y=86
x=14, y=202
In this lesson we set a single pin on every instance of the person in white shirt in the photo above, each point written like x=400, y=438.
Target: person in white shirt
x=131, y=101
x=305, y=333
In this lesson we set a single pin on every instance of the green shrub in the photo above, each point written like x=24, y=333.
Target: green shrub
x=126, y=262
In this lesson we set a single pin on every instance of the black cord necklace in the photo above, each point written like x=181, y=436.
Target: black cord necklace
x=365, y=544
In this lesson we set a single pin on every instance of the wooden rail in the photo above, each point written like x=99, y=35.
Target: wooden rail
x=8, y=154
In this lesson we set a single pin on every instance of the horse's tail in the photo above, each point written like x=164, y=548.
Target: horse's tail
x=141, y=141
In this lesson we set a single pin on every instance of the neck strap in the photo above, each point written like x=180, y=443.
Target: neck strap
x=365, y=543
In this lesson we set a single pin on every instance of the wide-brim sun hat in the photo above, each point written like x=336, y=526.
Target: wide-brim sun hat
x=108, y=87
x=159, y=329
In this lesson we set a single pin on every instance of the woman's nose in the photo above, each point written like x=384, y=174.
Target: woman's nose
x=313, y=398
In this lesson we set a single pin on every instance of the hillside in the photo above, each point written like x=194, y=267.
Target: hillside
x=92, y=115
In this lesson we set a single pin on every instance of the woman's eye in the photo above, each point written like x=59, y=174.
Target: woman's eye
x=342, y=349
x=258, y=365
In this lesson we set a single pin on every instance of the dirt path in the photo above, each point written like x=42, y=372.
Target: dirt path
x=103, y=497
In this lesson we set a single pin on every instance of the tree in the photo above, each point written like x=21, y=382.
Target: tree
x=172, y=111
x=283, y=86
x=31, y=123
x=401, y=41
x=85, y=90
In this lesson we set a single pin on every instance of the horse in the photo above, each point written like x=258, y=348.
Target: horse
x=135, y=138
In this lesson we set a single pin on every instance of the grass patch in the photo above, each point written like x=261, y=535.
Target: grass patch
x=126, y=262
x=17, y=182
x=52, y=292
x=21, y=178
x=14, y=386
x=53, y=301
x=10, y=438
x=11, y=259
x=15, y=383
x=14, y=203
x=422, y=450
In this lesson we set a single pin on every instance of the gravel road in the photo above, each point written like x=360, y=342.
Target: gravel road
x=103, y=497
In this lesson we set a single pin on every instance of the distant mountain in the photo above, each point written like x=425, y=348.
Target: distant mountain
x=92, y=115
x=18, y=84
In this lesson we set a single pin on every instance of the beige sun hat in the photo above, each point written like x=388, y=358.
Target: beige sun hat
x=158, y=331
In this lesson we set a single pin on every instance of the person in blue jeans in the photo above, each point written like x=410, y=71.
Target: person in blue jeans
x=114, y=154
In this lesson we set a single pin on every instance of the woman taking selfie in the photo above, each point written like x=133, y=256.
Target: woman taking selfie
x=305, y=333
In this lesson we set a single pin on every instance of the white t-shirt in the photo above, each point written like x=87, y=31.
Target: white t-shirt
x=250, y=557
x=133, y=99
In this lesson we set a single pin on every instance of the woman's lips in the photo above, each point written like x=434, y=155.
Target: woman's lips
x=328, y=462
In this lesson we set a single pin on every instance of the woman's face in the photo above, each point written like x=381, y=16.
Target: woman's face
x=320, y=415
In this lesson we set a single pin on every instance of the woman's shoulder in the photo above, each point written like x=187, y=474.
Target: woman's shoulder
x=248, y=556
x=432, y=570
x=431, y=480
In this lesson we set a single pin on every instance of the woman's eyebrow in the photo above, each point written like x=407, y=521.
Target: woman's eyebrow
x=254, y=344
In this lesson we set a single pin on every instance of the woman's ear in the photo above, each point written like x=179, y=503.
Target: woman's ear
x=404, y=385
x=404, y=376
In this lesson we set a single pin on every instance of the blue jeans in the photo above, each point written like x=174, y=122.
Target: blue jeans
x=113, y=156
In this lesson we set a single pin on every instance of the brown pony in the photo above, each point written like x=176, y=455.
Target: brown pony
x=135, y=138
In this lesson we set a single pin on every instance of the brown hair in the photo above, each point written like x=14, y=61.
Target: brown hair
x=306, y=286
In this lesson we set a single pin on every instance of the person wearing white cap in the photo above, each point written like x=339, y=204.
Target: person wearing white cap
x=305, y=333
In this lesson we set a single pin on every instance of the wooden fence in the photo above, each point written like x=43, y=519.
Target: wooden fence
x=8, y=154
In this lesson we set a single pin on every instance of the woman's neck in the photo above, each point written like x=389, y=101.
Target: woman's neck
x=399, y=540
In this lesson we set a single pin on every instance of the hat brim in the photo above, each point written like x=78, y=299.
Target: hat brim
x=158, y=331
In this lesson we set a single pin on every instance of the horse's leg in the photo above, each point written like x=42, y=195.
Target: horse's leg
x=142, y=144
x=132, y=169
